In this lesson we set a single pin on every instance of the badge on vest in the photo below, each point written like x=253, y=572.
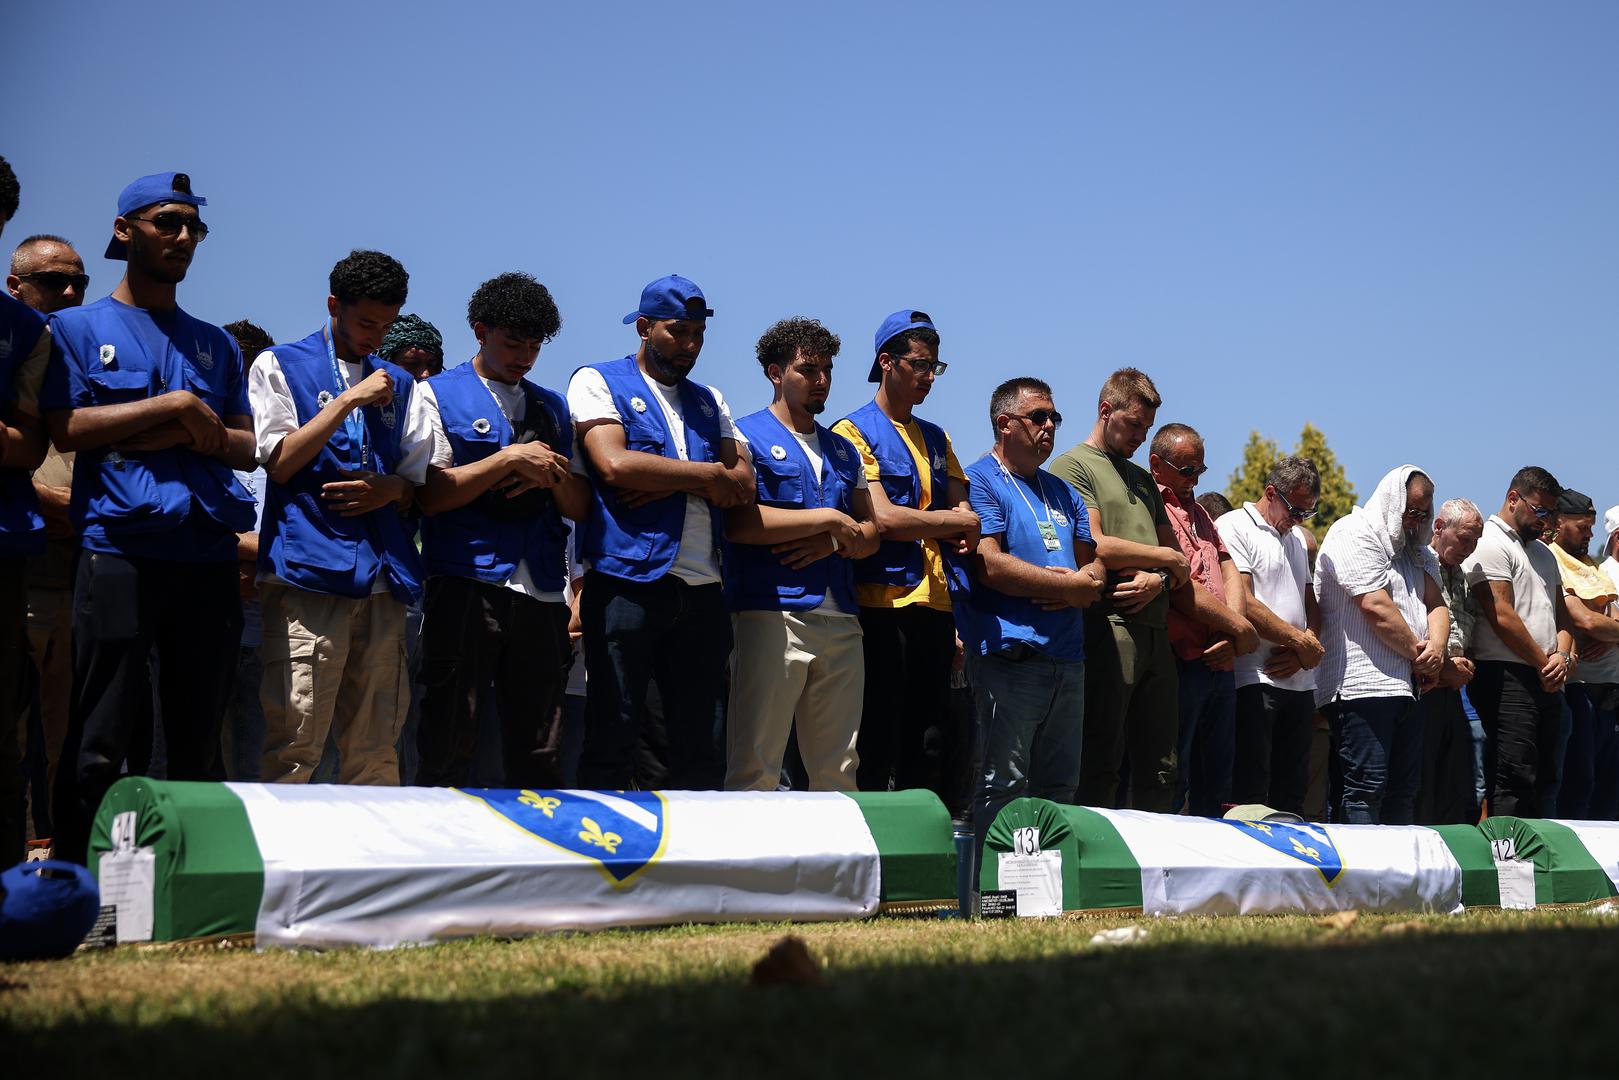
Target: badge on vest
x=843, y=451
x=323, y=399
x=480, y=425
x=1059, y=518
x=938, y=463
x=387, y=413
x=708, y=410
x=638, y=404
x=778, y=453
x=108, y=355
x=205, y=358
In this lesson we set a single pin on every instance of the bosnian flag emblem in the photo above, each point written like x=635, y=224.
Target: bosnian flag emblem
x=1308, y=844
x=622, y=832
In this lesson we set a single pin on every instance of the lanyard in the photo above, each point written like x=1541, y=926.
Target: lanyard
x=354, y=422
x=1048, y=531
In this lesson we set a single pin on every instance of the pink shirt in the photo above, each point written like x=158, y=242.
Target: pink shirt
x=1201, y=544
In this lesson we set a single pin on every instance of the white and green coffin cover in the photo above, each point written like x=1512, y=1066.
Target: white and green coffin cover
x=331, y=865
x=1164, y=864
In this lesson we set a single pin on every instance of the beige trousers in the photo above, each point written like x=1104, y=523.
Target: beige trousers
x=332, y=664
x=791, y=665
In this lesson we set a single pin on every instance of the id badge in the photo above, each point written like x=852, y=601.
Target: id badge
x=1048, y=533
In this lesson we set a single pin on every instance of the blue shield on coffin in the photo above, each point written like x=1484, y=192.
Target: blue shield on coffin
x=1308, y=844
x=622, y=832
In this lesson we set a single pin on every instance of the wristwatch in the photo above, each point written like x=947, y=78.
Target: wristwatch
x=1163, y=576
x=1568, y=658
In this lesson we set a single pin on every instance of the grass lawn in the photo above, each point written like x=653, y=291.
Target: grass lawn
x=1489, y=993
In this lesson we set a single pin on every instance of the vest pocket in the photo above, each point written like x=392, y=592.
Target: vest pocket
x=779, y=481
x=114, y=386
x=128, y=499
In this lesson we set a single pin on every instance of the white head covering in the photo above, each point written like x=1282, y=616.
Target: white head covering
x=1386, y=508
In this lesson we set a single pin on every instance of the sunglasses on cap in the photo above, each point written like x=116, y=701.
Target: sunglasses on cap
x=57, y=280
x=170, y=222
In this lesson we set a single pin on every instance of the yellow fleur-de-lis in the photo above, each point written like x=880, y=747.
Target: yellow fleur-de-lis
x=592, y=834
x=545, y=804
x=1259, y=826
x=1307, y=852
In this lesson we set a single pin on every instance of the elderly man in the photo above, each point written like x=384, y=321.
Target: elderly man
x=1383, y=625
x=47, y=274
x=1131, y=701
x=1448, y=795
x=1207, y=628
x=1025, y=649
x=1523, y=647
x=1276, y=685
x=1590, y=787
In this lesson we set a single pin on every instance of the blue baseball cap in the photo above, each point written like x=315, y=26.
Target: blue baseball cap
x=671, y=297
x=163, y=187
x=46, y=908
x=897, y=323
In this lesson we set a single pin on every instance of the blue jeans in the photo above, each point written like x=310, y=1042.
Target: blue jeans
x=1207, y=744
x=1379, y=743
x=1481, y=787
x=1031, y=719
x=1591, y=759
x=635, y=633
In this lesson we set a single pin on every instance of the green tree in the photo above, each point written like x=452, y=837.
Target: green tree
x=1247, y=483
x=1337, y=493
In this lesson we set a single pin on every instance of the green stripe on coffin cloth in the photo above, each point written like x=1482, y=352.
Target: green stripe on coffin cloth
x=1565, y=872
x=1098, y=870
x=208, y=876
x=1481, y=881
x=915, y=848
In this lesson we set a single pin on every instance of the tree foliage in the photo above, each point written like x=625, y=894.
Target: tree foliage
x=1247, y=483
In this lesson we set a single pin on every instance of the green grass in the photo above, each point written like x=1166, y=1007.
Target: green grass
x=1505, y=994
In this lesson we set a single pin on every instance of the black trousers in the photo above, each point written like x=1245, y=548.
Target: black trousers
x=125, y=610
x=906, y=733
x=1275, y=729
x=1521, y=724
x=479, y=638
x=637, y=633
x=1447, y=796
x=14, y=709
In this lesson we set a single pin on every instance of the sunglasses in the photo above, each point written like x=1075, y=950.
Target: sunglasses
x=925, y=367
x=1541, y=512
x=57, y=280
x=1294, y=512
x=1418, y=515
x=1041, y=417
x=170, y=222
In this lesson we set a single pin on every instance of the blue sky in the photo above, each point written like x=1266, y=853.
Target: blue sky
x=1397, y=221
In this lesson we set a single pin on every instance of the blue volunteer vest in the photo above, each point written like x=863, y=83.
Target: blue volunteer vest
x=151, y=491
x=22, y=530
x=755, y=579
x=467, y=542
x=305, y=543
x=640, y=543
x=899, y=562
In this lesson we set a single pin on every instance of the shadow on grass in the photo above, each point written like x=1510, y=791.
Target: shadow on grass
x=1530, y=1003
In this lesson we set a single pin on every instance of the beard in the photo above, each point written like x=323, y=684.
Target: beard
x=145, y=256
x=664, y=366
x=815, y=408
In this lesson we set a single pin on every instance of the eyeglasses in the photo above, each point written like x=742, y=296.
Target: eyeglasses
x=57, y=280
x=1041, y=417
x=924, y=367
x=170, y=222
x=1192, y=472
x=1294, y=512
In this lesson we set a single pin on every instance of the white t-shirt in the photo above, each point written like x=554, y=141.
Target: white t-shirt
x=275, y=416
x=1536, y=580
x=589, y=400
x=510, y=399
x=1278, y=567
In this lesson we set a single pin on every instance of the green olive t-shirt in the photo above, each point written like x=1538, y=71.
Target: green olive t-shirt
x=1126, y=500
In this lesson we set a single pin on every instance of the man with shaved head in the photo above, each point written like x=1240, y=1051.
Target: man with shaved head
x=47, y=274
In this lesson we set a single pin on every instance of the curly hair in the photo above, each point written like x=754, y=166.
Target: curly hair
x=517, y=303
x=10, y=192
x=370, y=275
x=251, y=338
x=795, y=337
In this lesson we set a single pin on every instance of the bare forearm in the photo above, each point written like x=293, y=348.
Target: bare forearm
x=1011, y=575
x=1387, y=623
x=1207, y=609
x=634, y=470
x=1271, y=626
x=93, y=426
x=1439, y=625
x=453, y=488
x=1592, y=624
x=573, y=497
x=298, y=448
x=758, y=524
x=23, y=444
x=247, y=547
x=904, y=523
x=241, y=451
x=1515, y=636
x=1129, y=555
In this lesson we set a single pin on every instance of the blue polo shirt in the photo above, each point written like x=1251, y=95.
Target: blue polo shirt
x=1011, y=509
